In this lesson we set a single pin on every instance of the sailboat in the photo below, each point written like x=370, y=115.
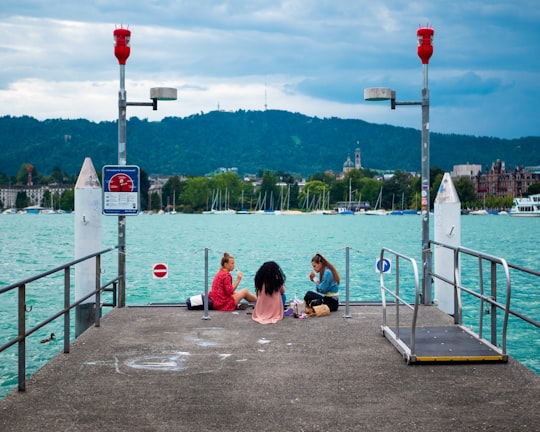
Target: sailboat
x=347, y=210
x=225, y=209
x=173, y=211
x=397, y=212
x=377, y=211
x=413, y=211
x=212, y=209
x=242, y=209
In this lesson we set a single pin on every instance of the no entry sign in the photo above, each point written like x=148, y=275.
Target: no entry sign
x=160, y=271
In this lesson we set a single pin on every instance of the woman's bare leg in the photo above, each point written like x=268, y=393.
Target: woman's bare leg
x=244, y=294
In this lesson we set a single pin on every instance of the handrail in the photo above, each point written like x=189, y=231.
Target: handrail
x=22, y=310
x=54, y=270
x=498, y=330
x=490, y=299
x=396, y=294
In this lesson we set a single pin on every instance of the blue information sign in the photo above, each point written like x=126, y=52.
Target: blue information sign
x=121, y=193
x=385, y=265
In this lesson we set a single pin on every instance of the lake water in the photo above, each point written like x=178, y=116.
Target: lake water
x=32, y=244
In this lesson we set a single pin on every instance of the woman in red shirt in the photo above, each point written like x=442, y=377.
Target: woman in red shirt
x=223, y=294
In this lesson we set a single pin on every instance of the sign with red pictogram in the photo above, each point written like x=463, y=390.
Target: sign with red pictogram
x=121, y=190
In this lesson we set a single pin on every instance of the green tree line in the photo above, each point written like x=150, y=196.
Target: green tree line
x=277, y=190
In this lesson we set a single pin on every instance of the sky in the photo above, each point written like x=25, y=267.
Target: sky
x=314, y=57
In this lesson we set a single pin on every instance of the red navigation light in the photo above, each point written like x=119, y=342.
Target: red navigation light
x=121, y=44
x=425, y=47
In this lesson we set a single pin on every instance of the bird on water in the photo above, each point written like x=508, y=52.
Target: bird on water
x=50, y=339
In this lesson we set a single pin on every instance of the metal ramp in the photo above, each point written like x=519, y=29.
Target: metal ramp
x=422, y=340
x=442, y=344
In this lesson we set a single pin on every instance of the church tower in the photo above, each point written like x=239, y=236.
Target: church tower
x=357, y=157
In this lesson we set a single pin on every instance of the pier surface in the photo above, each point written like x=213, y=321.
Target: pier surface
x=167, y=369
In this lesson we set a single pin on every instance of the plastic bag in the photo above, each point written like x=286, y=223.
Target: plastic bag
x=298, y=306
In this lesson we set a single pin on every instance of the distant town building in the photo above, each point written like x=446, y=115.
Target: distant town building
x=465, y=170
x=8, y=194
x=497, y=181
x=348, y=165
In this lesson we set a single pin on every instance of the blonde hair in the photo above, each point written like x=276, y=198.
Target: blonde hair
x=320, y=259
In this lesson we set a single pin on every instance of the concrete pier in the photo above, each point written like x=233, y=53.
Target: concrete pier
x=167, y=369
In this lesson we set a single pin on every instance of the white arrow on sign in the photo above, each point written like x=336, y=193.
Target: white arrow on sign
x=386, y=265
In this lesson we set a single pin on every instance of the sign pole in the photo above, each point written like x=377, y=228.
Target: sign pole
x=121, y=51
x=425, y=51
x=122, y=161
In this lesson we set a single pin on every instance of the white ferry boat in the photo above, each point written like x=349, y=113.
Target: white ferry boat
x=526, y=207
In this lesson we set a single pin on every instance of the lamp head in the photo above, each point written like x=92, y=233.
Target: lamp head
x=425, y=40
x=121, y=45
x=163, y=93
x=379, y=94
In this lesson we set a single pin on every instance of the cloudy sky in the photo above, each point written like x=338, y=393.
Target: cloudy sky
x=309, y=56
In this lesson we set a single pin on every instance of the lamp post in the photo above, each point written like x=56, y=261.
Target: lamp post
x=122, y=50
x=425, y=50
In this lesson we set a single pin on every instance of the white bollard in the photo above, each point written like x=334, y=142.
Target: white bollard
x=88, y=233
x=447, y=224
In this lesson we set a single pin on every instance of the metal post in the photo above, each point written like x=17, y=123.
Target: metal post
x=425, y=51
x=426, y=251
x=98, y=292
x=122, y=161
x=347, y=305
x=22, y=338
x=67, y=314
x=206, y=299
x=492, y=307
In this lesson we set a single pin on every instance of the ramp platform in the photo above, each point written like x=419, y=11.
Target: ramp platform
x=442, y=344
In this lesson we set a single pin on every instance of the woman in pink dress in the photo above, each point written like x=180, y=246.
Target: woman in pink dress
x=269, y=287
x=223, y=294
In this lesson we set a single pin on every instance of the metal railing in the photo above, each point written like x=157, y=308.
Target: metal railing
x=22, y=309
x=399, y=300
x=488, y=298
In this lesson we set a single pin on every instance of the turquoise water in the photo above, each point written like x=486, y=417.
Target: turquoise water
x=35, y=243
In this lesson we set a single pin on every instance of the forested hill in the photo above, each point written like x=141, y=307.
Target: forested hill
x=249, y=140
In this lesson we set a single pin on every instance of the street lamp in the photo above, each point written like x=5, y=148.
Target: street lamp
x=425, y=50
x=122, y=50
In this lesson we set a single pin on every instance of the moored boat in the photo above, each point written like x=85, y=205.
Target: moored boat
x=33, y=209
x=481, y=212
x=377, y=211
x=526, y=207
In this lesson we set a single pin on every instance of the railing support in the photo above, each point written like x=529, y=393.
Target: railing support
x=22, y=310
x=205, y=316
x=347, y=279
x=97, y=304
x=22, y=338
x=67, y=315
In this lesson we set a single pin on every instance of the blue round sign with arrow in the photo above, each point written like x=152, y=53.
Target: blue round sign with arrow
x=384, y=266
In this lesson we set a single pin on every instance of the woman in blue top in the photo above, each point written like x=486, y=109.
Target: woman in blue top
x=327, y=284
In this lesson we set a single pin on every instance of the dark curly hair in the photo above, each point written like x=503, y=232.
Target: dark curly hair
x=271, y=277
